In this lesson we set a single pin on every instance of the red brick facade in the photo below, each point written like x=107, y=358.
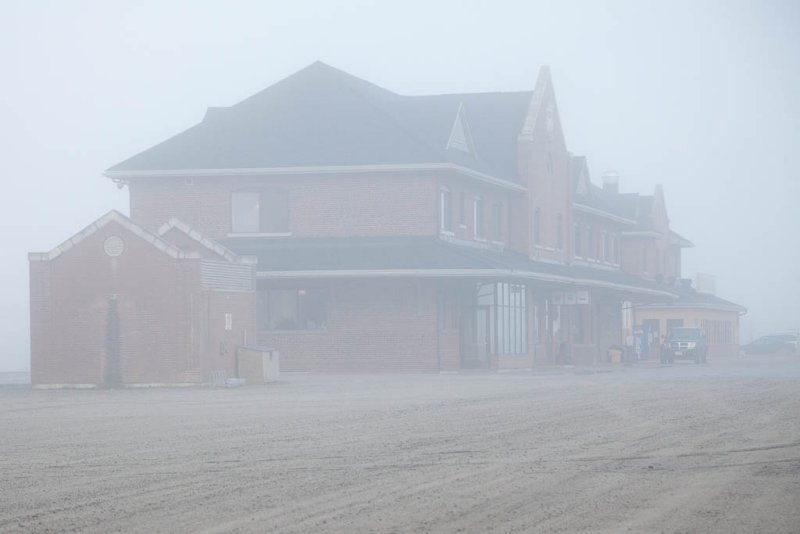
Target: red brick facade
x=172, y=328
x=325, y=205
x=137, y=316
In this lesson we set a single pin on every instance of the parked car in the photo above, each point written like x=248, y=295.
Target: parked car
x=773, y=344
x=685, y=342
x=794, y=339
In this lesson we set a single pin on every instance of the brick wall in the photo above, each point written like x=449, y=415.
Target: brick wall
x=373, y=326
x=218, y=352
x=463, y=193
x=591, y=250
x=169, y=330
x=544, y=164
x=69, y=322
x=326, y=205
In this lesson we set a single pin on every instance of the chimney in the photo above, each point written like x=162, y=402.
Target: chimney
x=611, y=182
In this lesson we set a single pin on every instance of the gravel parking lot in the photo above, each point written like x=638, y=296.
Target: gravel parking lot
x=684, y=448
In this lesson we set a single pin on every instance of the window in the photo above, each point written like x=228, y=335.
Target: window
x=604, y=248
x=512, y=320
x=599, y=252
x=477, y=217
x=497, y=221
x=445, y=215
x=645, y=267
x=462, y=212
x=549, y=163
x=291, y=308
x=614, y=253
x=560, y=232
x=589, y=243
x=262, y=211
x=537, y=227
x=507, y=305
x=577, y=240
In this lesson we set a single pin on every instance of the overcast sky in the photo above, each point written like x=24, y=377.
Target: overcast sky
x=702, y=97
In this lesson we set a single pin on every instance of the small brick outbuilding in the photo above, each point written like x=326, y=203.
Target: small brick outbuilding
x=119, y=305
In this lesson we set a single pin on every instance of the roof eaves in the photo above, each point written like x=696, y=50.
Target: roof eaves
x=602, y=213
x=111, y=216
x=199, y=238
x=122, y=176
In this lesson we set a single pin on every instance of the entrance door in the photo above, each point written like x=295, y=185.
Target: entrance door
x=475, y=338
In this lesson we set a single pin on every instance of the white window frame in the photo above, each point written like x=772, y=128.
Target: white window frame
x=477, y=218
x=445, y=210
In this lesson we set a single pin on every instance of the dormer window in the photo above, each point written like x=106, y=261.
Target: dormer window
x=263, y=211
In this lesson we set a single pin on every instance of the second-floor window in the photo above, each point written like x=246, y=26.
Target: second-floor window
x=477, y=217
x=604, y=248
x=577, y=244
x=445, y=210
x=262, y=211
x=537, y=227
x=497, y=221
x=560, y=232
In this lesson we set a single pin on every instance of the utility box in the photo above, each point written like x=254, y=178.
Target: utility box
x=258, y=365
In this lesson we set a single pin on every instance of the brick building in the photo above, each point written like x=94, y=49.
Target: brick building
x=117, y=304
x=404, y=233
x=631, y=232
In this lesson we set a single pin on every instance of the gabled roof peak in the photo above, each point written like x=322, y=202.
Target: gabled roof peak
x=460, y=136
x=193, y=234
x=322, y=117
x=116, y=217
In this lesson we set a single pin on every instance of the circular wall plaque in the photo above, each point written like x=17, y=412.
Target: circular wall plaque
x=113, y=245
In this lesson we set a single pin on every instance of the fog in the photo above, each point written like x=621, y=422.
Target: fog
x=702, y=97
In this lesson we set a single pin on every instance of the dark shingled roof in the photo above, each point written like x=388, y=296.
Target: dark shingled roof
x=321, y=116
x=412, y=253
x=622, y=205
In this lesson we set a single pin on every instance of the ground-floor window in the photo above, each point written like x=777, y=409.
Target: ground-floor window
x=508, y=318
x=512, y=321
x=291, y=308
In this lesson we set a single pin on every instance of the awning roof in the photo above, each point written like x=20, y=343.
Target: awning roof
x=422, y=257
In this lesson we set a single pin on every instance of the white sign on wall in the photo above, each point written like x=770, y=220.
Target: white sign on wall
x=571, y=298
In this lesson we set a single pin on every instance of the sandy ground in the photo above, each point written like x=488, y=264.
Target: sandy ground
x=685, y=448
